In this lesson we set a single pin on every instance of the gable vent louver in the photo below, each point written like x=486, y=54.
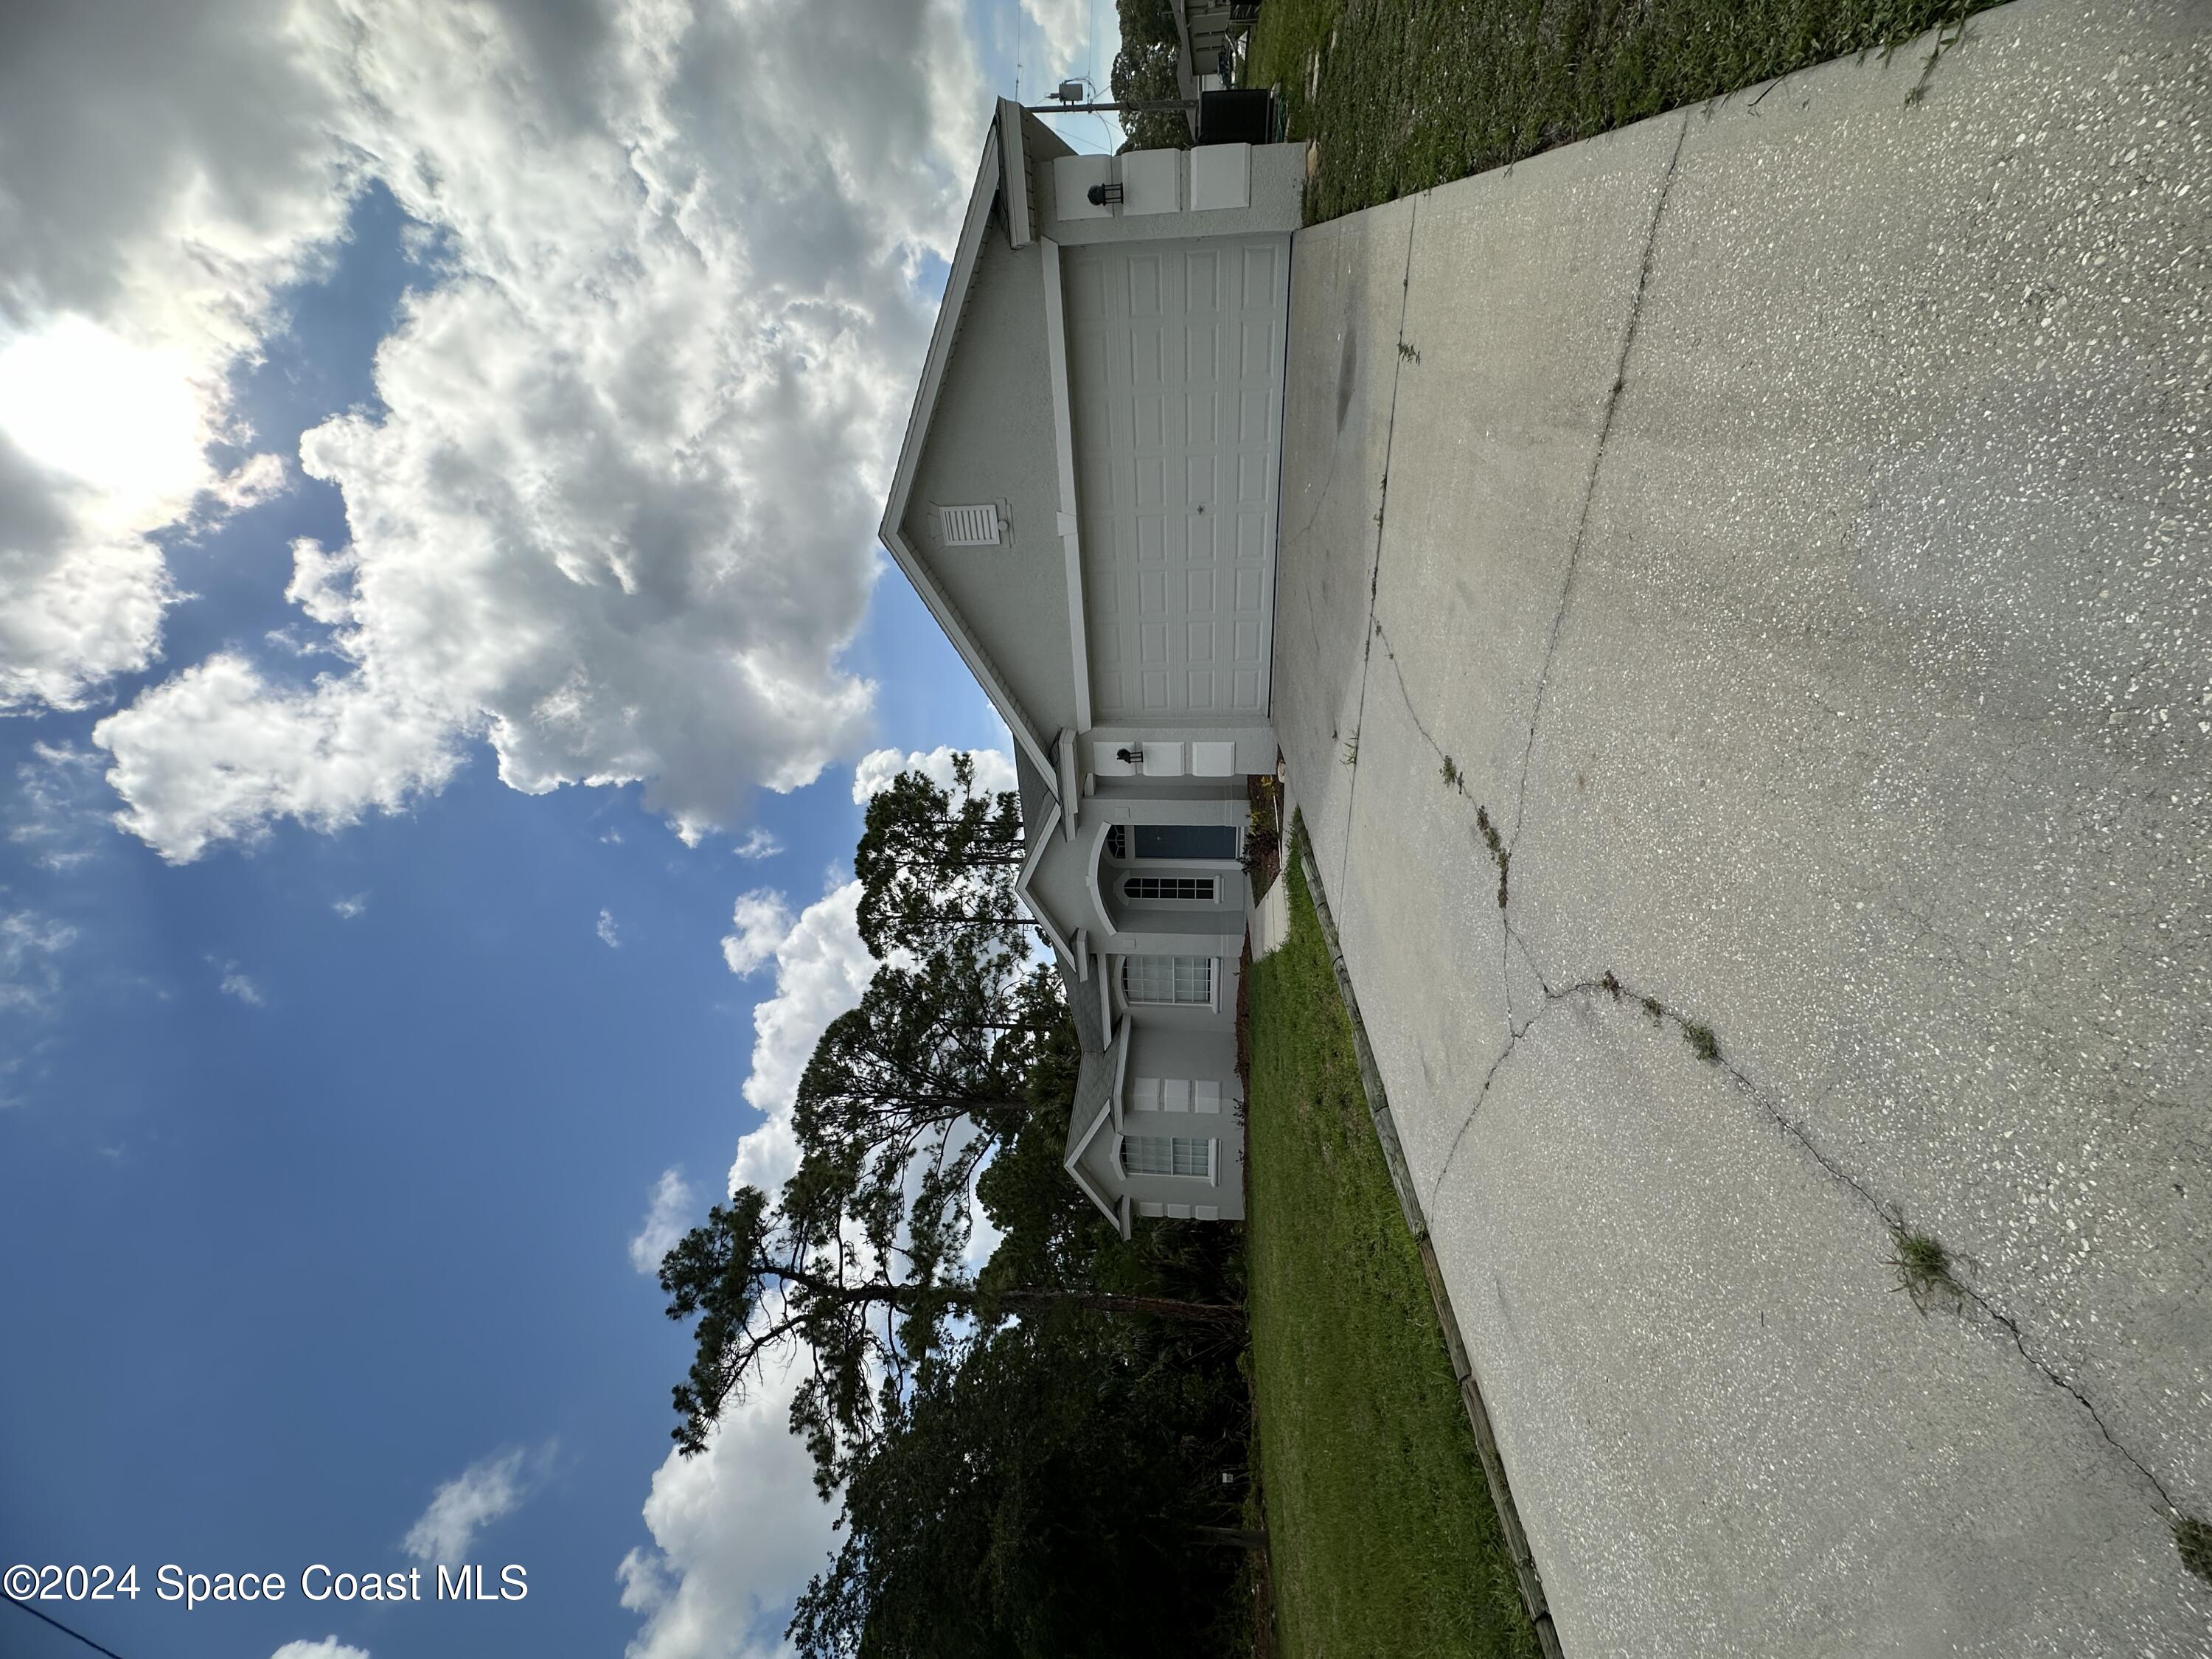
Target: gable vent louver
x=970, y=526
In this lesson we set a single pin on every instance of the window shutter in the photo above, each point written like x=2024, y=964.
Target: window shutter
x=970, y=526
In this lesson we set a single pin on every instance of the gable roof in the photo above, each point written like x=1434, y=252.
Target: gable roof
x=1002, y=193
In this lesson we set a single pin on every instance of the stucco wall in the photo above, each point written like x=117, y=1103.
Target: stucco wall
x=991, y=440
x=1277, y=197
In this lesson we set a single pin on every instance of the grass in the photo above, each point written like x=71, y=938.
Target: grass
x=2194, y=1540
x=1411, y=93
x=1383, y=1538
x=1925, y=1272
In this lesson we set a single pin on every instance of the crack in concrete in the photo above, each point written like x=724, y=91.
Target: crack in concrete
x=1381, y=509
x=1618, y=991
x=1610, y=986
x=1597, y=460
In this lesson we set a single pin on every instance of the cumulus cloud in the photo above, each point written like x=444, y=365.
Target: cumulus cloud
x=667, y=1219
x=348, y=909
x=329, y=1647
x=762, y=919
x=821, y=970
x=235, y=982
x=484, y=1492
x=737, y=1532
x=606, y=931
x=994, y=769
x=613, y=514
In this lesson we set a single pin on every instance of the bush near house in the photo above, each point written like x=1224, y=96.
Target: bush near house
x=1382, y=1537
x=1404, y=94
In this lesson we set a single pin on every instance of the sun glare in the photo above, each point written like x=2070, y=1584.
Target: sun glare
x=124, y=421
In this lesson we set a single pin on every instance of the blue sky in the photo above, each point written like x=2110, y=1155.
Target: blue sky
x=329, y=1128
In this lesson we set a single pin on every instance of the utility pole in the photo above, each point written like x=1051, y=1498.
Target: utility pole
x=1158, y=106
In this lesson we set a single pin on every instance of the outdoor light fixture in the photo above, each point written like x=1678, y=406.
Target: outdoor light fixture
x=1104, y=195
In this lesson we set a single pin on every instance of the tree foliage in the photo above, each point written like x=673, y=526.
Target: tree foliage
x=1145, y=23
x=1027, y=1490
x=1145, y=74
x=937, y=865
x=1017, y=1446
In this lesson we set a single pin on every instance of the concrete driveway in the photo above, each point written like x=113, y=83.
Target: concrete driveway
x=1787, y=525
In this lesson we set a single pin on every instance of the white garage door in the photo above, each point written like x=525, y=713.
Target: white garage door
x=1176, y=371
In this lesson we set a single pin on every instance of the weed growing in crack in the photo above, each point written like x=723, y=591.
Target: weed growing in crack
x=1652, y=1008
x=2193, y=1539
x=1926, y=1271
x=1610, y=985
x=1407, y=354
x=1451, y=774
x=1496, y=843
x=1703, y=1043
x=1352, y=750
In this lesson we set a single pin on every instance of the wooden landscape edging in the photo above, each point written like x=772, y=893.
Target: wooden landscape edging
x=1394, y=1154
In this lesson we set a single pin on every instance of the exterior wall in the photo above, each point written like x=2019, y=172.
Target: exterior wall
x=991, y=440
x=1255, y=742
x=1278, y=205
x=1203, y=1056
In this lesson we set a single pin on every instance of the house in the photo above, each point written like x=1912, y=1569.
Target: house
x=1086, y=501
x=1204, y=30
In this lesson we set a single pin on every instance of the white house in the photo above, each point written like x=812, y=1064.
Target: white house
x=1086, y=501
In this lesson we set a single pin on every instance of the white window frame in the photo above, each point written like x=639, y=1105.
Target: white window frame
x=1175, y=965
x=1177, y=1146
x=1210, y=883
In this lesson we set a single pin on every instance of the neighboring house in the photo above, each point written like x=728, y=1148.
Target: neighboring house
x=1086, y=501
x=1203, y=29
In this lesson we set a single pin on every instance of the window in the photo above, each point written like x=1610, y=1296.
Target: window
x=1166, y=1155
x=1169, y=887
x=970, y=526
x=1186, y=980
x=1117, y=841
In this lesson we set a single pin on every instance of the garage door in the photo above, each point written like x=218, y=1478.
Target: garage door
x=1175, y=365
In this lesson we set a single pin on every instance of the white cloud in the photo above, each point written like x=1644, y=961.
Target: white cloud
x=757, y=844
x=348, y=909
x=614, y=516
x=484, y=1492
x=606, y=931
x=235, y=983
x=994, y=769
x=737, y=1532
x=59, y=814
x=29, y=977
x=667, y=1219
x=762, y=919
x=737, y=1529
x=821, y=970
x=1057, y=41
x=329, y=1647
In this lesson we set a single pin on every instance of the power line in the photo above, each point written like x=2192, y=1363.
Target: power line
x=64, y=1628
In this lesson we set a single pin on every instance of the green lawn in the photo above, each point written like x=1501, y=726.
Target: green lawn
x=1381, y=1536
x=1416, y=92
